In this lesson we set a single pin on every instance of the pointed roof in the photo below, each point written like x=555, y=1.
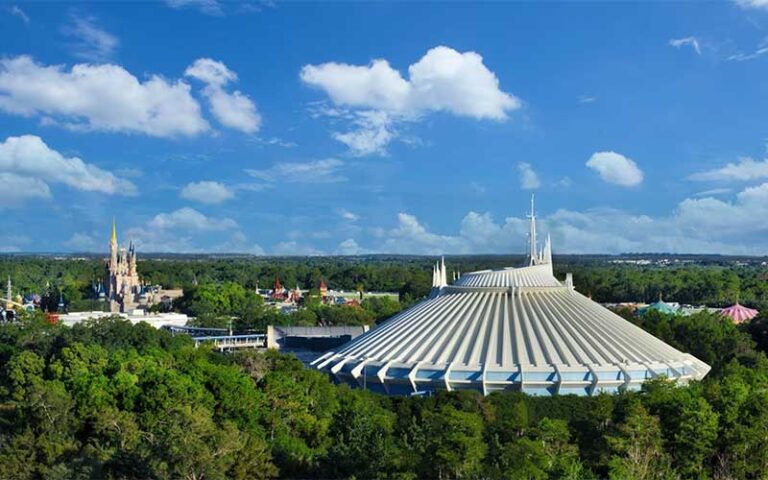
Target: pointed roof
x=739, y=313
x=661, y=306
x=113, y=239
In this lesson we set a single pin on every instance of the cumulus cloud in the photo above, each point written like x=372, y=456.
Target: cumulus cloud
x=529, y=180
x=746, y=169
x=317, y=171
x=187, y=230
x=189, y=219
x=696, y=225
x=88, y=41
x=443, y=80
x=98, y=97
x=616, y=168
x=207, y=192
x=234, y=110
x=687, y=41
x=29, y=157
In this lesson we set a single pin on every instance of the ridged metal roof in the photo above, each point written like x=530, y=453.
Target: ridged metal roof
x=509, y=277
x=510, y=325
x=511, y=329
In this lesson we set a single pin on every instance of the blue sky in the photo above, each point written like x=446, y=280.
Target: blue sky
x=344, y=128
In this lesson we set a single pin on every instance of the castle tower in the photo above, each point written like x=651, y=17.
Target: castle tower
x=123, y=284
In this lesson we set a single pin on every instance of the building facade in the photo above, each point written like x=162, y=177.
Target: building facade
x=123, y=289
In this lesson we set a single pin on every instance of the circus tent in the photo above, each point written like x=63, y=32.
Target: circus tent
x=739, y=313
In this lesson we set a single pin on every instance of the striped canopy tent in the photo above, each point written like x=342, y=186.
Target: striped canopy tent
x=739, y=313
x=660, y=306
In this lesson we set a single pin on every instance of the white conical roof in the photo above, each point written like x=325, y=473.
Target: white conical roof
x=516, y=328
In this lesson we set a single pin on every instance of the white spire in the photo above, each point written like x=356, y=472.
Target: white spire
x=532, y=253
x=548, y=251
x=443, y=273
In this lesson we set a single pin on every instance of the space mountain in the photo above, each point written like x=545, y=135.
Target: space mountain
x=517, y=329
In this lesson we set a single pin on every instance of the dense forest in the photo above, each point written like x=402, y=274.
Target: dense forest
x=113, y=401
x=715, y=281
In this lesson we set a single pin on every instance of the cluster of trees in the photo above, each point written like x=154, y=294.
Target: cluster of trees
x=111, y=400
x=222, y=304
x=709, y=282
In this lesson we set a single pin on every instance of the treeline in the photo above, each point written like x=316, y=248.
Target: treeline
x=225, y=304
x=714, y=284
x=114, y=401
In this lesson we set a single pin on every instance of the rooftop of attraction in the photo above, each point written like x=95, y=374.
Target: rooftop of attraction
x=509, y=329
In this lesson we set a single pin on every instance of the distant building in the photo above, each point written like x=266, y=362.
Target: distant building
x=156, y=320
x=123, y=284
x=124, y=289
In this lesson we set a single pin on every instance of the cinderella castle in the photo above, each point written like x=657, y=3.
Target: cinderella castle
x=123, y=287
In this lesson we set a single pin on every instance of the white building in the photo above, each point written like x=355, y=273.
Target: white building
x=156, y=320
x=511, y=329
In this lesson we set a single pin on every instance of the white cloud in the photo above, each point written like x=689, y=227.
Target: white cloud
x=218, y=8
x=689, y=41
x=190, y=220
x=529, y=180
x=616, y=168
x=275, y=141
x=762, y=49
x=30, y=157
x=372, y=133
x=17, y=12
x=317, y=171
x=207, y=192
x=347, y=215
x=713, y=191
x=586, y=99
x=89, y=41
x=83, y=242
x=98, y=97
x=233, y=110
x=207, y=7
x=446, y=80
x=742, y=57
x=747, y=169
x=16, y=189
x=752, y=4
x=350, y=247
x=443, y=80
x=375, y=86
x=696, y=225
x=292, y=249
x=188, y=231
